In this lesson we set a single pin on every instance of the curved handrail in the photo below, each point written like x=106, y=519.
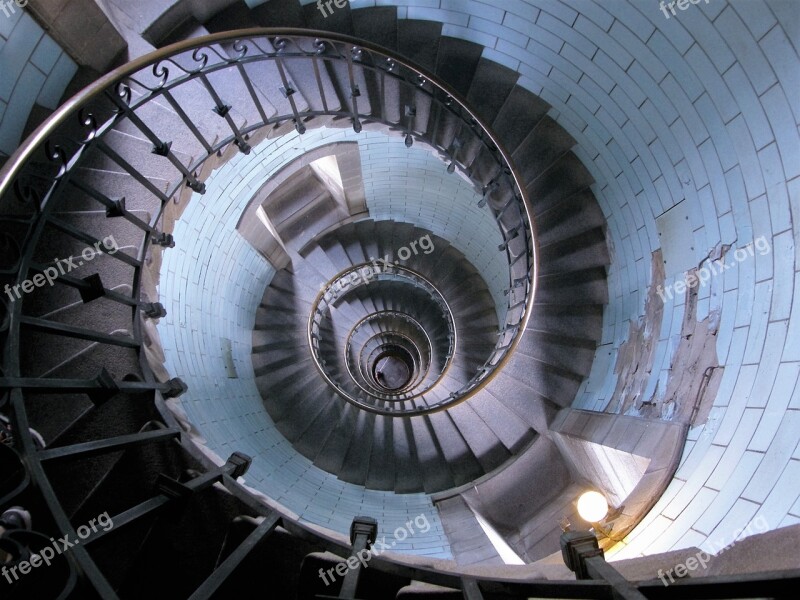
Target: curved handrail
x=350, y=279
x=113, y=91
x=510, y=334
x=112, y=88
x=97, y=110
x=421, y=369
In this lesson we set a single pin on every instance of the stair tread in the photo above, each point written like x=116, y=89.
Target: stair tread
x=376, y=24
x=419, y=41
x=460, y=459
x=434, y=468
x=490, y=88
x=481, y=439
x=519, y=114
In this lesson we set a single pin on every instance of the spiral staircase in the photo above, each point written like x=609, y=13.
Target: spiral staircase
x=404, y=374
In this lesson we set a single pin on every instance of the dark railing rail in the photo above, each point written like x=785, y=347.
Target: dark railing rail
x=415, y=340
x=38, y=180
x=595, y=578
x=45, y=169
x=405, y=404
x=29, y=189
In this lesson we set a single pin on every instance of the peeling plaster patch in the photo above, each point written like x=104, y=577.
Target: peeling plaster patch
x=695, y=373
x=718, y=252
x=636, y=355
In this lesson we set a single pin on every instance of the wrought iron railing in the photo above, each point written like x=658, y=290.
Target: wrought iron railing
x=41, y=178
x=45, y=171
x=396, y=328
x=406, y=403
x=48, y=165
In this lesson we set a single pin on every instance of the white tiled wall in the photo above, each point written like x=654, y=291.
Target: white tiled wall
x=212, y=283
x=33, y=69
x=412, y=185
x=701, y=107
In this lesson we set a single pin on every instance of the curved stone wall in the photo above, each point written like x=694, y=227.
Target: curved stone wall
x=695, y=112
x=688, y=123
x=213, y=281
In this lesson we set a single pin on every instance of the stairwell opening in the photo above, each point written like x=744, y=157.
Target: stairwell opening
x=484, y=260
x=457, y=447
x=393, y=367
x=617, y=78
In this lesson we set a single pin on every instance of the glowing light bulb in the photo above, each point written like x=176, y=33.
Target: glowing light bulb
x=592, y=507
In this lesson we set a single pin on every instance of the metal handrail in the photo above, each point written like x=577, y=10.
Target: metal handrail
x=350, y=279
x=420, y=370
x=29, y=196
x=42, y=206
x=288, y=44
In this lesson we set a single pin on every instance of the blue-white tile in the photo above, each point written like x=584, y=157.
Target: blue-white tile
x=17, y=52
x=46, y=54
x=19, y=108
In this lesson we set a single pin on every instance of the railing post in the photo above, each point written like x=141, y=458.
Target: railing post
x=153, y=310
x=363, y=532
x=583, y=555
x=470, y=589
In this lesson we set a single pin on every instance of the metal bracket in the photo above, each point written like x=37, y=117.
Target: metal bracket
x=153, y=310
x=177, y=387
x=240, y=463
x=95, y=291
x=364, y=526
x=196, y=186
x=117, y=208
x=222, y=109
x=162, y=148
x=108, y=387
x=576, y=548
x=243, y=146
x=164, y=239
